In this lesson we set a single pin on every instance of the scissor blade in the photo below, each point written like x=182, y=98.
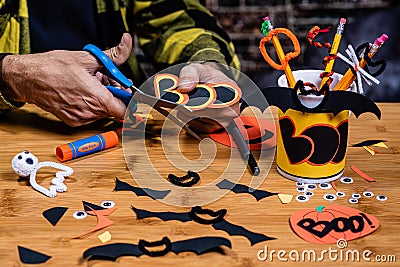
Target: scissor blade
x=178, y=122
x=155, y=102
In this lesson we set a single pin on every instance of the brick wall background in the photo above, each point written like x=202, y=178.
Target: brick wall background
x=366, y=20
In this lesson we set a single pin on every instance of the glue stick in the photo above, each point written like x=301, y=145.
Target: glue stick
x=86, y=146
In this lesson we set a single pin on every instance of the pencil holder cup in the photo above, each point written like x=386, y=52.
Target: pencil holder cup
x=311, y=146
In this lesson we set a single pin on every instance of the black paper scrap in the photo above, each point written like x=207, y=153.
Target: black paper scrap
x=239, y=188
x=53, y=215
x=368, y=143
x=29, y=256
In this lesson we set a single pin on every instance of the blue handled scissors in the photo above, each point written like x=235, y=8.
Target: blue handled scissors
x=137, y=95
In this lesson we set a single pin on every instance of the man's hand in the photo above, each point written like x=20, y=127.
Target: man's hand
x=66, y=83
x=209, y=119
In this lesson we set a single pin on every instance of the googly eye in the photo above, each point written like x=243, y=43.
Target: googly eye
x=299, y=184
x=340, y=194
x=346, y=180
x=356, y=195
x=353, y=200
x=311, y=187
x=368, y=194
x=381, y=197
x=302, y=198
x=325, y=186
x=301, y=189
x=330, y=197
x=309, y=194
x=107, y=204
x=80, y=214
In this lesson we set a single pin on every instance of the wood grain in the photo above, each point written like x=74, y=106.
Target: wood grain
x=21, y=207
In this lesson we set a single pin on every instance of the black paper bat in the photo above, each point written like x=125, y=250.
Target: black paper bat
x=154, y=194
x=239, y=188
x=218, y=222
x=198, y=245
x=333, y=101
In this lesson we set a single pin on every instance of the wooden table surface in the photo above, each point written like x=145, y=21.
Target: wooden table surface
x=21, y=207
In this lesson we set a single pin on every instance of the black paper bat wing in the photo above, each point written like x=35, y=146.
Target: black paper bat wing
x=200, y=245
x=154, y=194
x=357, y=103
x=165, y=216
x=233, y=229
x=239, y=188
x=112, y=251
x=275, y=96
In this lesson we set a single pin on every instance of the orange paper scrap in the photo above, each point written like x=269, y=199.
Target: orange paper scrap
x=362, y=174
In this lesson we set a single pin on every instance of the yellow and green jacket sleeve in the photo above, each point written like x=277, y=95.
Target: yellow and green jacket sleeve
x=168, y=31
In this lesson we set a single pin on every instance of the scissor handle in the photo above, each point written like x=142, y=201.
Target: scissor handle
x=110, y=67
x=121, y=94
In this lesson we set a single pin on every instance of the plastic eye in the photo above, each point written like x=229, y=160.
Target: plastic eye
x=301, y=189
x=325, y=186
x=368, y=194
x=346, y=180
x=299, y=184
x=107, y=204
x=302, y=198
x=311, y=187
x=353, y=200
x=330, y=197
x=309, y=194
x=340, y=194
x=356, y=195
x=381, y=197
x=80, y=214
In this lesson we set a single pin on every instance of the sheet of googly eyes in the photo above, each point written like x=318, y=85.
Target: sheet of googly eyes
x=340, y=194
x=325, y=186
x=330, y=197
x=356, y=195
x=368, y=194
x=353, y=200
x=311, y=186
x=107, y=204
x=80, y=214
x=346, y=180
x=309, y=193
x=381, y=197
x=302, y=198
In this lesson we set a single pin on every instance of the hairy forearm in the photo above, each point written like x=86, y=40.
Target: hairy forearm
x=9, y=98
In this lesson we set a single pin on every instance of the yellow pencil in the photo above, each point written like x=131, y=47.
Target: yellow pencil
x=281, y=55
x=334, y=48
x=349, y=77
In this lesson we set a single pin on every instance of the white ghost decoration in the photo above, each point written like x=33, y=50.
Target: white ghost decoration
x=26, y=164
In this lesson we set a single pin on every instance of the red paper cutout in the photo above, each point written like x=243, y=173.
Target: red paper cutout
x=326, y=225
x=257, y=133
